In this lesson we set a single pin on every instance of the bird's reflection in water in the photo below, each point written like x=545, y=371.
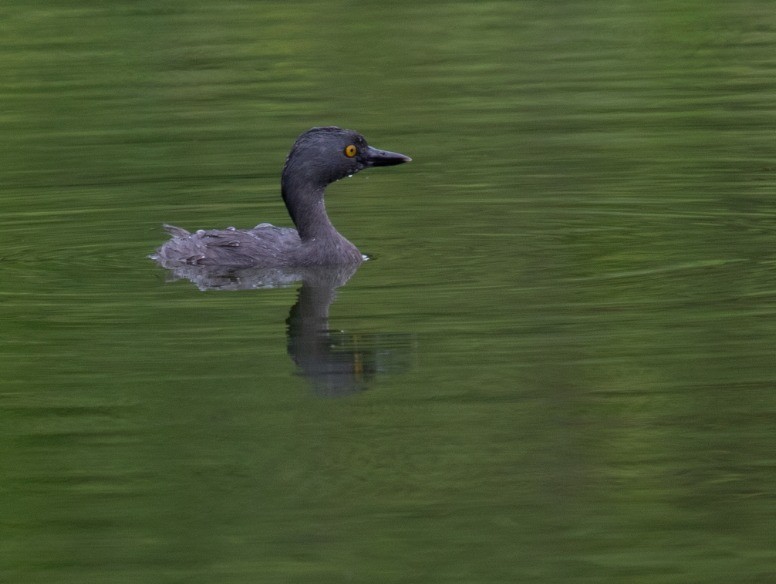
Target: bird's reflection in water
x=336, y=362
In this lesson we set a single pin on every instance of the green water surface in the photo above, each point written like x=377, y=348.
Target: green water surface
x=559, y=365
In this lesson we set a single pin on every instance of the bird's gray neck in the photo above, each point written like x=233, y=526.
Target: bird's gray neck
x=304, y=202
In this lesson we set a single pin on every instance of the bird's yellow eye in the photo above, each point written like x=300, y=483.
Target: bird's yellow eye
x=350, y=151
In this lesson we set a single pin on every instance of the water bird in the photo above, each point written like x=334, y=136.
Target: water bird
x=319, y=157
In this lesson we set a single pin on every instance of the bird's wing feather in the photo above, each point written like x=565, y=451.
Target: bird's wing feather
x=228, y=247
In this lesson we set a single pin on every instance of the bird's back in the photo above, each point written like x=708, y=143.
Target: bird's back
x=263, y=246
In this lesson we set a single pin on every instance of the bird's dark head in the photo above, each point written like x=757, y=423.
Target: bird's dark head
x=323, y=155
